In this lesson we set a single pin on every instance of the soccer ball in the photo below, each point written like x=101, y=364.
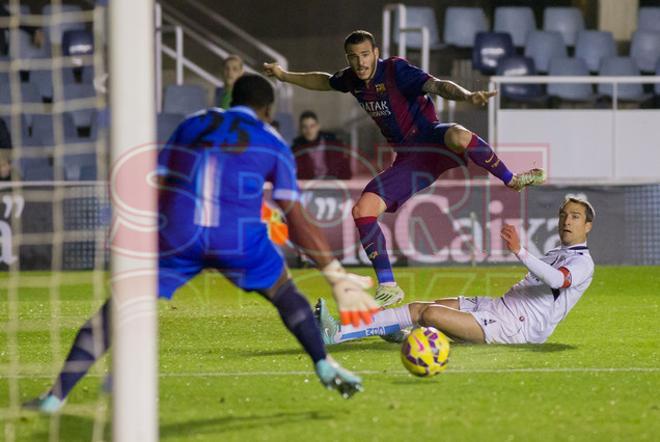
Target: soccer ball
x=425, y=352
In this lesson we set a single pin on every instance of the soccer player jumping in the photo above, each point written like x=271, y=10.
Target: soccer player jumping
x=527, y=313
x=212, y=173
x=394, y=94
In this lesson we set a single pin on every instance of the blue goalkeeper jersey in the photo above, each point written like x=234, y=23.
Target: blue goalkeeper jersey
x=213, y=171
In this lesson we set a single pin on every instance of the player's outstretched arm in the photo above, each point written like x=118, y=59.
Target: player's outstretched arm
x=354, y=303
x=316, y=81
x=452, y=91
x=555, y=278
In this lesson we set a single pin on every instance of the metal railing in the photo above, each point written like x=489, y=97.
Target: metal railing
x=494, y=105
x=169, y=19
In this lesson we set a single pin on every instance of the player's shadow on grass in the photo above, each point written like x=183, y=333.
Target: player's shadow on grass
x=72, y=427
x=223, y=424
x=552, y=347
x=348, y=347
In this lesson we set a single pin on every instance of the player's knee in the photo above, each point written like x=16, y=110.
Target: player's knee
x=458, y=138
x=429, y=316
x=360, y=210
x=416, y=309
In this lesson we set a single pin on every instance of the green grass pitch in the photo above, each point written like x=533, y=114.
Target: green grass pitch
x=230, y=371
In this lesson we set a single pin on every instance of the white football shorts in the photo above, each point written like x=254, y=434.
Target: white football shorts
x=499, y=324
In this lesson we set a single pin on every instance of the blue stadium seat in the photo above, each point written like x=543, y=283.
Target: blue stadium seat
x=27, y=50
x=36, y=169
x=645, y=50
x=23, y=8
x=77, y=42
x=593, y=46
x=489, y=48
x=656, y=88
x=621, y=66
x=38, y=131
x=184, y=99
x=55, y=32
x=44, y=82
x=648, y=19
x=82, y=74
x=80, y=167
x=165, y=126
x=573, y=67
x=517, y=21
x=29, y=93
x=542, y=46
x=461, y=25
x=566, y=20
x=519, y=66
x=417, y=17
x=83, y=117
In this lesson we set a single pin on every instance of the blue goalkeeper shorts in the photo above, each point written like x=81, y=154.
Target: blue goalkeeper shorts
x=256, y=264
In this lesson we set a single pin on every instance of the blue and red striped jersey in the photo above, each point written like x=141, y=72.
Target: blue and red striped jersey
x=393, y=98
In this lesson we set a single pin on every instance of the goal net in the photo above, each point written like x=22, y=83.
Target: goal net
x=69, y=87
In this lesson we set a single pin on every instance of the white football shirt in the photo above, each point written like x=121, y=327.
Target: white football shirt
x=540, y=307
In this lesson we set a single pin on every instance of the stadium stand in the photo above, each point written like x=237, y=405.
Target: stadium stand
x=542, y=46
x=489, y=48
x=593, y=46
x=568, y=21
x=461, y=25
x=516, y=20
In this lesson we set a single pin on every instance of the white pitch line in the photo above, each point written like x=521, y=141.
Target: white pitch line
x=219, y=374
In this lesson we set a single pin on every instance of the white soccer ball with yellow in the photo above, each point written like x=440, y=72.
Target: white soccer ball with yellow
x=425, y=352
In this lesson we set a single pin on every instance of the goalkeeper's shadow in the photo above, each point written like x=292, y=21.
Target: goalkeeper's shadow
x=223, y=424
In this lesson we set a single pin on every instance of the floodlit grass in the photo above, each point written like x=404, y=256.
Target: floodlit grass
x=230, y=371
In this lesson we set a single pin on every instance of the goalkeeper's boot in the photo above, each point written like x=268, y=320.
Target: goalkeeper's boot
x=333, y=376
x=396, y=337
x=328, y=325
x=533, y=177
x=388, y=295
x=47, y=403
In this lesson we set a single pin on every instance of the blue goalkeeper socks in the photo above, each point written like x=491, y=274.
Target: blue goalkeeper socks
x=298, y=317
x=87, y=348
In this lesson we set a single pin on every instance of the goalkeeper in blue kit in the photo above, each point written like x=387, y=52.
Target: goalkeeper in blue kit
x=212, y=172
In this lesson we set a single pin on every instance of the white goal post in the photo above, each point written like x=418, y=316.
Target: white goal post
x=134, y=243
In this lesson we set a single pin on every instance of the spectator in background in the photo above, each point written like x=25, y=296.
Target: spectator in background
x=319, y=154
x=5, y=152
x=232, y=70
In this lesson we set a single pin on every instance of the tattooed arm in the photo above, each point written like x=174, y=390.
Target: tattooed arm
x=452, y=91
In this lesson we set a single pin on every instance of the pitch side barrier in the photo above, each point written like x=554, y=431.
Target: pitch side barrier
x=454, y=222
x=614, y=140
